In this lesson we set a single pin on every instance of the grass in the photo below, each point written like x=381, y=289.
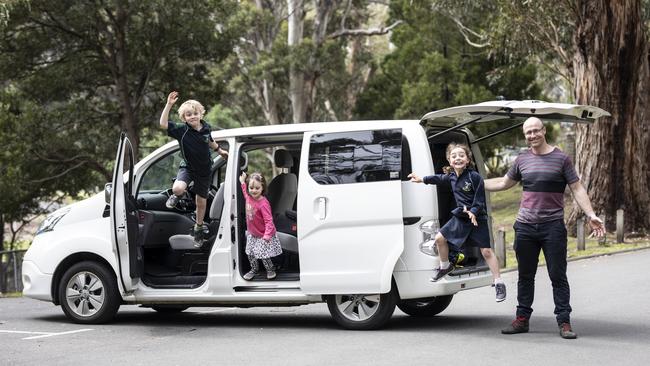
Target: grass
x=505, y=205
x=11, y=294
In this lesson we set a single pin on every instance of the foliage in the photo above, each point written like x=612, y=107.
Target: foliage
x=75, y=73
x=330, y=62
x=433, y=67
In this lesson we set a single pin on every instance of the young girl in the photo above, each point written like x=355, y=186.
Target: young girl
x=467, y=226
x=261, y=240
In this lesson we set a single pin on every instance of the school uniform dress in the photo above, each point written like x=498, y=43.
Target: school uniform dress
x=468, y=189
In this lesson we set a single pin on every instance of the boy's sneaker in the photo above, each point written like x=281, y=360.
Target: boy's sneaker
x=519, y=325
x=172, y=201
x=200, y=233
x=271, y=274
x=442, y=273
x=249, y=275
x=566, y=332
x=500, y=289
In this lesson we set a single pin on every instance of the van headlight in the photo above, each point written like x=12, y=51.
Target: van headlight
x=428, y=244
x=50, y=222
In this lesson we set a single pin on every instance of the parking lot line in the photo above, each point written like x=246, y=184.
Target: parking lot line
x=42, y=334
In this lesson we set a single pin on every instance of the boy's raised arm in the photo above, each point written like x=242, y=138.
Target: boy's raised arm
x=164, y=116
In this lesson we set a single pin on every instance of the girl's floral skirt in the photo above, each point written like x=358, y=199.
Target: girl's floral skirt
x=260, y=248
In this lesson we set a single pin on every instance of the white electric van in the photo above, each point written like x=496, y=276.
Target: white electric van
x=355, y=232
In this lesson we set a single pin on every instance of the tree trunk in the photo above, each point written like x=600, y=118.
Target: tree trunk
x=611, y=71
x=296, y=76
x=2, y=238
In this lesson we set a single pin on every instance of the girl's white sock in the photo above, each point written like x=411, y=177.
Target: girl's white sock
x=498, y=280
x=444, y=265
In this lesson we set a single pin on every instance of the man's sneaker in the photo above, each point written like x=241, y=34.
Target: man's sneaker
x=271, y=274
x=442, y=273
x=172, y=201
x=500, y=289
x=566, y=332
x=249, y=275
x=519, y=325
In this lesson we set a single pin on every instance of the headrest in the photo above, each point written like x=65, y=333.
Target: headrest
x=282, y=159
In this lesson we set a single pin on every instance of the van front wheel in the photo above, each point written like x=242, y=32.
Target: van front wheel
x=362, y=312
x=425, y=307
x=88, y=293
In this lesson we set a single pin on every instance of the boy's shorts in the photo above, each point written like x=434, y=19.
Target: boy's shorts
x=201, y=184
x=459, y=231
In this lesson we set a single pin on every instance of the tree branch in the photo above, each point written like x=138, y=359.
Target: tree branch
x=364, y=32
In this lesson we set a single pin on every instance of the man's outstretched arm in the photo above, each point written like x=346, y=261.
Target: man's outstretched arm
x=499, y=184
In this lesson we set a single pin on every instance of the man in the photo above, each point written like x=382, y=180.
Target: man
x=544, y=171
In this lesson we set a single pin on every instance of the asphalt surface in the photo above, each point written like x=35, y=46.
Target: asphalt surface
x=611, y=313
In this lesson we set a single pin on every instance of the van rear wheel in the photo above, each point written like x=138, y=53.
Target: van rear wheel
x=362, y=312
x=429, y=306
x=88, y=293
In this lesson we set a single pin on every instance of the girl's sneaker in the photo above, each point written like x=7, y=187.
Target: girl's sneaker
x=249, y=276
x=271, y=274
x=500, y=289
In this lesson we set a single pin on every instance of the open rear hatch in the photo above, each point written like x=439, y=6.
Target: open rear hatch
x=508, y=110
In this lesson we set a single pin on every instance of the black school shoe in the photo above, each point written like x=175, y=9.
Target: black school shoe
x=442, y=273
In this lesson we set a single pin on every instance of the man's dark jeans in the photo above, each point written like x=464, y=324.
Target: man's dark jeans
x=551, y=238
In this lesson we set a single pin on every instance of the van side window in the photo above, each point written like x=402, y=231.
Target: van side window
x=356, y=157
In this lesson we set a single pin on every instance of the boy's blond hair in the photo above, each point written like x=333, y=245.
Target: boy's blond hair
x=192, y=105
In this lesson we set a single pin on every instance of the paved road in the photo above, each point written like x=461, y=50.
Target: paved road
x=610, y=298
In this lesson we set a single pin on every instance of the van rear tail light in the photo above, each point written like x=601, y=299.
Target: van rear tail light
x=429, y=230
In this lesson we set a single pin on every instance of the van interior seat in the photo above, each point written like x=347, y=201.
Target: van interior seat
x=185, y=241
x=283, y=189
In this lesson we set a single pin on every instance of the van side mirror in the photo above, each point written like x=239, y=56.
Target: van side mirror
x=108, y=188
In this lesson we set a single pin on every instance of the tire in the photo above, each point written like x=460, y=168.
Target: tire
x=425, y=307
x=169, y=309
x=88, y=293
x=362, y=312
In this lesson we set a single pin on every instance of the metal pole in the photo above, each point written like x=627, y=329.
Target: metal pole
x=500, y=248
x=620, y=225
x=603, y=240
x=13, y=255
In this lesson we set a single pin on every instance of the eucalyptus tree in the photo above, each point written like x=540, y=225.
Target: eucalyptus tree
x=300, y=61
x=600, y=48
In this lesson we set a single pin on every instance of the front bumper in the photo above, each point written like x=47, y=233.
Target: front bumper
x=36, y=284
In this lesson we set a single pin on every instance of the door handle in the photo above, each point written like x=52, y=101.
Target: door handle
x=322, y=209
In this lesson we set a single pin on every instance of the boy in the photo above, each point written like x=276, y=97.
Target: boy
x=195, y=141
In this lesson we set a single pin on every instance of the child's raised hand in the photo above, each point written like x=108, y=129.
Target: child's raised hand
x=414, y=178
x=242, y=178
x=172, y=97
x=471, y=215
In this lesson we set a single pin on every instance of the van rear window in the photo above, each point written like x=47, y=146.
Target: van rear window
x=356, y=157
